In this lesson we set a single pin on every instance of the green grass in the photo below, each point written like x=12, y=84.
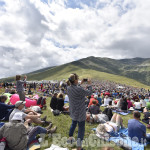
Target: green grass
x=63, y=123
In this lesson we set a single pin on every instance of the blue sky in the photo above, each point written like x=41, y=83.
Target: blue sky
x=40, y=33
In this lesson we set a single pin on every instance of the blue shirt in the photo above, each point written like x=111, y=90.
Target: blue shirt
x=136, y=129
x=99, y=100
x=4, y=109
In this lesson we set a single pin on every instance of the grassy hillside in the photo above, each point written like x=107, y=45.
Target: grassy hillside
x=125, y=71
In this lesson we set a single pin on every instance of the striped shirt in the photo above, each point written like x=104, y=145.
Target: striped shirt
x=77, y=99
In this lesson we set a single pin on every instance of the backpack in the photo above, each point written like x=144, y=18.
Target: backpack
x=56, y=112
x=108, y=112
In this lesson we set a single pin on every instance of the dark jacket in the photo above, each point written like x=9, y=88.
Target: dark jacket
x=94, y=109
x=60, y=104
x=124, y=105
x=5, y=109
x=146, y=117
x=53, y=103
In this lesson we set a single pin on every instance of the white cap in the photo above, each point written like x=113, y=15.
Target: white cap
x=17, y=116
x=18, y=103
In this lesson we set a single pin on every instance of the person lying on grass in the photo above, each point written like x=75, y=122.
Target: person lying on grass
x=110, y=126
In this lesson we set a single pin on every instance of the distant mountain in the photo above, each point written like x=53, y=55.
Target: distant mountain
x=120, y=71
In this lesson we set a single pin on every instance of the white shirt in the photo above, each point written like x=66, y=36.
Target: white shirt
x=137, y=105
x=66, y=98
x=15, y=111
x=109, y=127
x=106, y=101
x=143, y=103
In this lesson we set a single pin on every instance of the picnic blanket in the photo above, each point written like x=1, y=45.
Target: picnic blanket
x=122, y=140
x=121, y=113
x=35, y=145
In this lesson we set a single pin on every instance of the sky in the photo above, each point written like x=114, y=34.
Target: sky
x=35, y=34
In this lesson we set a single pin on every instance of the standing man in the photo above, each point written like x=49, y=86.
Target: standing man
x=77, y=107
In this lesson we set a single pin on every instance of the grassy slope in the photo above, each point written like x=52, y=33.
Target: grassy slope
x=115, y=70
x=84, y=73
x=63, y=123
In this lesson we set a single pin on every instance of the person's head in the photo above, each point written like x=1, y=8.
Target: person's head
x=73, y=79
x=20, y=105
x=3, y=98
x=60, y=95
x=18, y=77
x=136, y=115
x=89, y=118
x=55, y=94
x=106, y=96
x=136, y=100
x=101, y=129
x=95, y=96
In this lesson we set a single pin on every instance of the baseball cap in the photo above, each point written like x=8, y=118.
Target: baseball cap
x=18, y=103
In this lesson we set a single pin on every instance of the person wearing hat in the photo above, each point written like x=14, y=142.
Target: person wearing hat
x=77, y=107
x=27, y=114
x=17, y=128
x=24, y=135
x=5, y=109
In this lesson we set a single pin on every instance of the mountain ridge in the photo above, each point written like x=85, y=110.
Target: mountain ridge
x=134, y=68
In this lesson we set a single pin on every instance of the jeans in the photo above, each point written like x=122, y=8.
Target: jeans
x=81, y=130
x=34, y=132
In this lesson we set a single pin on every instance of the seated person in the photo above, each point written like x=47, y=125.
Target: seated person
x=91, y=100
x=143, y=102
x=53, y=102
x=124, y=105
x=60, y=103
x=129, y=103
x=146, y=116
x=23, y=135
x=136, y=130
x=99, y=99
x=146, y=99
x=106, y=101
x=94, y=109
x=30, y=92
x=5, y=109
x=111, y=126
x=137, y=105
x=28, y=115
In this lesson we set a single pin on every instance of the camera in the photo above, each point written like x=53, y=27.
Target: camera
x=85, y=80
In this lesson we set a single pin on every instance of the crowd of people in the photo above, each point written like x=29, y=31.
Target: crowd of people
x=85, y=99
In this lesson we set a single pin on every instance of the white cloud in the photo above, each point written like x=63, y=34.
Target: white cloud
x=35, y=34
